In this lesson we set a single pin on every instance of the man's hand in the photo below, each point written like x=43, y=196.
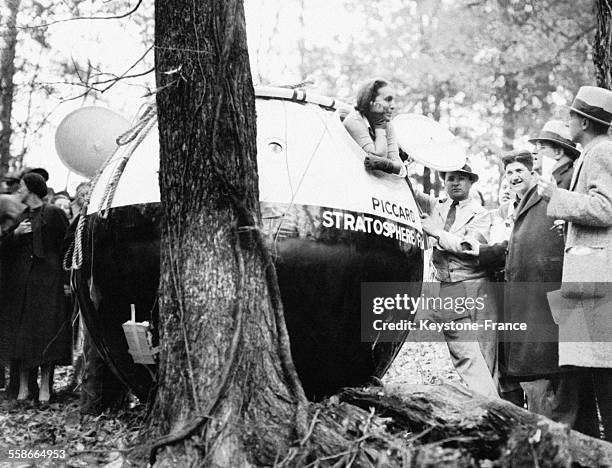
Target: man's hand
x=429, y=226
x=25, y=227
x=558, y=226
x=470, y=246
x=546, y=188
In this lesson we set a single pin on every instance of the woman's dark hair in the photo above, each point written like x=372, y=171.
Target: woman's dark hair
x=520, y=156
x=367, y=93
x=40, y=171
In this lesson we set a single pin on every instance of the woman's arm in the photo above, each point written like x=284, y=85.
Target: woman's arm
x=12, y=237
x=357, y=128
x=377, y=149
x=384, y=164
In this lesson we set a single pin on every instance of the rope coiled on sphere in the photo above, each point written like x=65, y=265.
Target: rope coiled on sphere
x=73, y=258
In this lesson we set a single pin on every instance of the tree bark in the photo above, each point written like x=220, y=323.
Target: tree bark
x=509, y=95
x=602, y=45
x=438, y=424
x=8, y=41
x=228, y=392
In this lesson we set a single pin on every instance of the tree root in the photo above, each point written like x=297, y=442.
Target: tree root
x=431, y=426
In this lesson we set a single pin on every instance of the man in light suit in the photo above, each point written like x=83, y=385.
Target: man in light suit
x=449, y=220
x=585, y=325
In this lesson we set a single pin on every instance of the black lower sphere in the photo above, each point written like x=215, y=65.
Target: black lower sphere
x=320, y=271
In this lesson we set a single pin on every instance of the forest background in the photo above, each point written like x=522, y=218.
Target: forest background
x=492, y=71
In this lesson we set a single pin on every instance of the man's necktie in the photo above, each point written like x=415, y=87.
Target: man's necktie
x=450, y=217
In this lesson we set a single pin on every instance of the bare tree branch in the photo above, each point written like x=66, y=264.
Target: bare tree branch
x=123, y=15
x=26, y=122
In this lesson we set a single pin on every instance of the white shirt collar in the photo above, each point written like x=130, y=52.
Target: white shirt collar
x=461, y=204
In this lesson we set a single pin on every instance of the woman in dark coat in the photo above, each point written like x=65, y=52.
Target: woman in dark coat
x=37, y=331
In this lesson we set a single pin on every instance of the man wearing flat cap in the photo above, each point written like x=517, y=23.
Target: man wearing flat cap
x=450, y=218
x=532, y=262
x=554, y=141
x=585, y=318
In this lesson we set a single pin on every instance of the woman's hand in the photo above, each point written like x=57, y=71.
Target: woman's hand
x=25, y=227
x=372, y=162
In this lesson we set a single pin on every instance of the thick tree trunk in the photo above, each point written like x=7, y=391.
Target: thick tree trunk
x=8, y=43
x=602, y=45
x=228, y=393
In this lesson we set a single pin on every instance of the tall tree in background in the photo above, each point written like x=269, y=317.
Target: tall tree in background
x=34, y=74
x=8, y=44
x=602, y=45
x=228, y=390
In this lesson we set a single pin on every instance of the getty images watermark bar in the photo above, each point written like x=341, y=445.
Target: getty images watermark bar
x=504, y=312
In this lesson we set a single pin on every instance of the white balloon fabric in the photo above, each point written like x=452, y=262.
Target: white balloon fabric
x=428, y=142
x=86, y=137
x=305, y=156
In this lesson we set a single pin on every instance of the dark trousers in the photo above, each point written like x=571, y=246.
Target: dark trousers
x=556, y=397
x=596, y=390
x=575, y=398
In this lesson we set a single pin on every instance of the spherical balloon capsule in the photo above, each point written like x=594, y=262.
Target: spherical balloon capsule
x=330, y=224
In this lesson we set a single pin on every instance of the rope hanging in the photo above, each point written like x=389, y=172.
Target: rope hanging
x=73, y=259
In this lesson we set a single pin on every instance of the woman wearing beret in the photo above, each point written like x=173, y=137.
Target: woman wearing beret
x=37, y=332
x=369, y=126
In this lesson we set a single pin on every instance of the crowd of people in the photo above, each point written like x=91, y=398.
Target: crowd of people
x=548, y=244
x=542, y=258
x=36, y=312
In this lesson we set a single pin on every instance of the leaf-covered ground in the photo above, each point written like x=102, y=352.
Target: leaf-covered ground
x=34, y=432
x=102, y=440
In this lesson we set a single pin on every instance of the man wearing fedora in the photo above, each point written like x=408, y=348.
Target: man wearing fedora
x=585, y=319
x=554, y=141
x=449, y=219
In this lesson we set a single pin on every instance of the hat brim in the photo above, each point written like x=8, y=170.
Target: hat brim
x=472, y=176
x=590, y=117
x=572, y=149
